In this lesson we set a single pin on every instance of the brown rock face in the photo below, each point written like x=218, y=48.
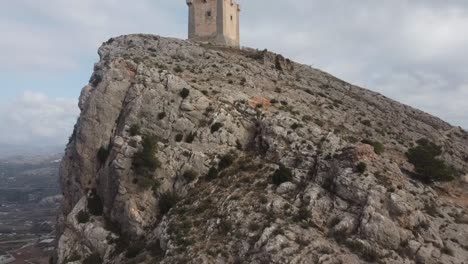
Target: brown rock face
x=192, y=154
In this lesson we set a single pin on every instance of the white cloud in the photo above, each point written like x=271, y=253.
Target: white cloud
x=37, y=120
x=412, y=51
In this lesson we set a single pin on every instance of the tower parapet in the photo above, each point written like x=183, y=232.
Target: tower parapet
x=214, y=21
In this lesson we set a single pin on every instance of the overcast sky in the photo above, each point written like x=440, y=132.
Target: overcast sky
x=414, y=51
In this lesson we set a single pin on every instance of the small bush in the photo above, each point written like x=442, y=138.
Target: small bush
x=379, y=148
x=302, y=215
x=427, y=167
x=184, y=93
x=254, y=226
x=135, y=130
x=281, y=175
x=94, y=258
x=243, y=81
x=366, y=122
x=216, y=126
x=161, y=115
x=167, y=201
x=224, y=226
x=295, y=126
x=179, y=137
x=361, y=167
x=133, y=250
x=95, y=206
x=225, y=162
x=212, y=174
x=190, y=137
x=190, y=175
x=148, y=183
x=178, y=69
x=103, y=154
x=82, y=217
x=145, y=161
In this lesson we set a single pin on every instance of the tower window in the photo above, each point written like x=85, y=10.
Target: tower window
x=231, y=18
x=208, y=13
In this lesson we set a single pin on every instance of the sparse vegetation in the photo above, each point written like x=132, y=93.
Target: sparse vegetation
x=225, y=161
x=361, y=167
x=147, y=183
x=190, y=137
x=184, y=93
x=82, y=217
x=135, y=130
x=379, y=148
x=133, y=250
x=427, y=166
x=161, y=115
x=95, y=206
x=145, y=161
x=167, y=201
x=179, y=137
x=281, y=175
x=190, y=175
x=103, y=154
x=178, y=69
x=302, y=215
x=94, y=258
x=216, y=127
x=212, y=174
x=366, y=122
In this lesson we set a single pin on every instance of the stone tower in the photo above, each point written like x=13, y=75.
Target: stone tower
x=214, y=21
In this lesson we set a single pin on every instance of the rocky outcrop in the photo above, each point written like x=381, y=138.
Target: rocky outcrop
x=255, y=161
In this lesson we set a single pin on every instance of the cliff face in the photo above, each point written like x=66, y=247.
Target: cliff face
x=186, y=153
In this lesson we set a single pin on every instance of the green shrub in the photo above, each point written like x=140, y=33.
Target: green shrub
x=243, y=81
x=190, y=137
x=178, y=69
x=94, y=258
x=167, y=201
x=379, y=148
x=225, y=162
x=366, y=122
x=295, y=126
x=302, y=215
x=148, y=183
x=103, y=154
x=190, y=175
x=216, y=126
x=133, y=250
x=281, y=175
x=212, y=174
x=135, y=130
x=184, y=93
x=179, y=137
x=95, y=206
x=254, y=226
x=361, y=167
x=161, y=115
x=145, y=161
x=82, y=217
x=427, y=166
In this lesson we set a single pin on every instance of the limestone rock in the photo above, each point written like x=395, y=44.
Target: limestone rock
x=176, y=148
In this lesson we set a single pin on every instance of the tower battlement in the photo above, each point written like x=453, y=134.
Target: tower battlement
x=214, y=21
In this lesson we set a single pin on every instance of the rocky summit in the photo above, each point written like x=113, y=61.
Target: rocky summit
x=193, y=153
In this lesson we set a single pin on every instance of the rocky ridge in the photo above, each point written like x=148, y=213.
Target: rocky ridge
x=257, y=161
